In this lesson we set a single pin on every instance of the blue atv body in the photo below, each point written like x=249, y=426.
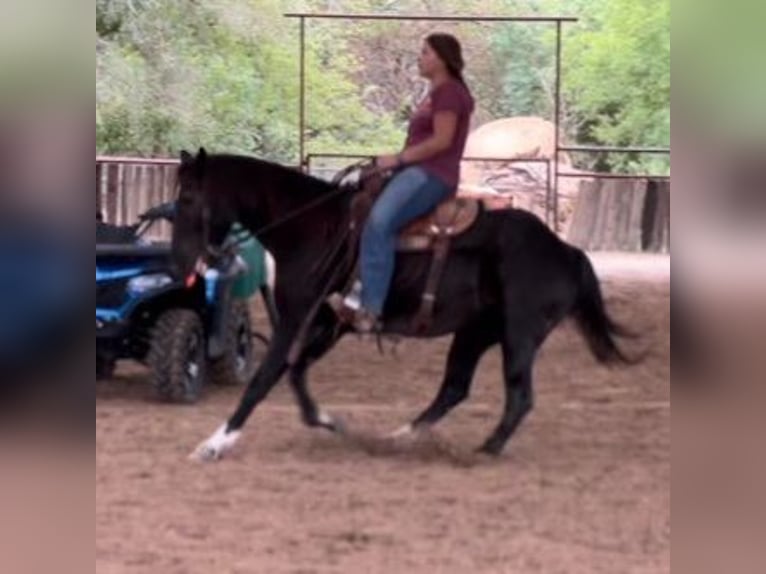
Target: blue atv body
x=146, y=314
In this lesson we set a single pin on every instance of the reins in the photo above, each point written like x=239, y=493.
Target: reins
x=339, y=190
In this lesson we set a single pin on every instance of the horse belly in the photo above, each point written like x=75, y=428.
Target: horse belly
x=463, y=291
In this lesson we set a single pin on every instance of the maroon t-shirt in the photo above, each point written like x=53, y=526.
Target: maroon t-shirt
x=454, y=97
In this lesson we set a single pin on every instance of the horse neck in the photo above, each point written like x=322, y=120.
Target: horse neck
x=294, y=223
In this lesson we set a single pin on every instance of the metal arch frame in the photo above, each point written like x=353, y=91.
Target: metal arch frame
x=552, y=186
x=304, y=16
x=552, y=191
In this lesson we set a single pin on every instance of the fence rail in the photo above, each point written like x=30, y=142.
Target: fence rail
x=549, y=214
x=126, y=187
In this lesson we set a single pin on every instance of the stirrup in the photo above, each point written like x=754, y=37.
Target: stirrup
x=363, y=321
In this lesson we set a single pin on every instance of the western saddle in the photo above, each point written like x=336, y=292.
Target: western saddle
x=432, y=232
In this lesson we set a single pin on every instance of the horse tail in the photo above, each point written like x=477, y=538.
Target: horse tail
x=598, y=328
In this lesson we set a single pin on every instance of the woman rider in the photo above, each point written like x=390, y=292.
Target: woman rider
x=428, y=172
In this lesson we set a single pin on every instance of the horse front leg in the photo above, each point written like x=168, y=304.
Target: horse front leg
x=323, y=336
x=271, y=370
x=311, y=414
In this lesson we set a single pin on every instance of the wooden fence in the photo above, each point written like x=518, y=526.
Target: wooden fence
x=622, y=215
x=610, y=214
x=127, y=187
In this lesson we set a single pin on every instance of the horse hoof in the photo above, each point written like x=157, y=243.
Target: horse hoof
x=406, y=432
x=330, y=423
x=216, y=446
x=490, y=451
x=205, y=453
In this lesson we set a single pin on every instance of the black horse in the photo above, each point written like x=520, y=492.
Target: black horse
x=508, y=281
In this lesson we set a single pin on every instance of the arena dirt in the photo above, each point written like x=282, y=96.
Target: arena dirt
x=584, y=486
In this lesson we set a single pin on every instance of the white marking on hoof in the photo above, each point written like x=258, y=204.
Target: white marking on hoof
x=325, y=419
x=216, y=446
x=406, y=431
x=271, y=271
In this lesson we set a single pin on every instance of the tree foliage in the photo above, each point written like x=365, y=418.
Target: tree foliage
x=174, y=74
x=618, y=79
x=615, y=75
x=177, y=74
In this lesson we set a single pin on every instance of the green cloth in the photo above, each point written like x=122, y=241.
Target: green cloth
x=246, y=285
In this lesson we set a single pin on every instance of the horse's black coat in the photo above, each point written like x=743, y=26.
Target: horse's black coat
x=509, y=281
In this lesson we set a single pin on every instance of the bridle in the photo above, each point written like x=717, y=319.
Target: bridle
x=348, y=181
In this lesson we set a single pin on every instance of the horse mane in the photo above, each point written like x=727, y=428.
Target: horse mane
x=291, y=178
x=234, y=171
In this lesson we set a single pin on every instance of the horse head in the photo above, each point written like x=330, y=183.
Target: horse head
x=202, y=220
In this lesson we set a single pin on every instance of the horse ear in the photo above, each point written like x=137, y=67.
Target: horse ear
x=186, y=157
x=201, y=162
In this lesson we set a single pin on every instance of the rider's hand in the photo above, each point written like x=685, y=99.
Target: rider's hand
x=387, y=162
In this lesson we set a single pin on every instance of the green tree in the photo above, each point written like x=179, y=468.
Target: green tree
x=225, y=75
x=617, y=80
x=616, y=74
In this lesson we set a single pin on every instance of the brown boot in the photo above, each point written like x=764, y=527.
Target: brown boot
x=362, y=320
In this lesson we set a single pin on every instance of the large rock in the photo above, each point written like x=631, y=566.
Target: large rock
x=521, y=137
x=511, y=141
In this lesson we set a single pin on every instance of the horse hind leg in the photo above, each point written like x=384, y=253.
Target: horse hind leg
x=468, y=347
x=518, y=358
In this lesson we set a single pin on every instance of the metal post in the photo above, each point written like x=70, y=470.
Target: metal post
x=100, y=188
x=430, y=17
x=557, y=134
x=548, y=191
x=302, y=114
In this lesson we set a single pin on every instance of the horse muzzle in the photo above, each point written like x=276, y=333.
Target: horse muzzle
x=200, y=268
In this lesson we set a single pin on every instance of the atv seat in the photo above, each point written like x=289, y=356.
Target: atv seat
x=135, y=250
x=115, y=234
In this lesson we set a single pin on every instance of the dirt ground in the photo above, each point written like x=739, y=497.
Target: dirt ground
x=584, y=486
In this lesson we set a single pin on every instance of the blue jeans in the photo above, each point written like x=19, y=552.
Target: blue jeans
x=411, y=194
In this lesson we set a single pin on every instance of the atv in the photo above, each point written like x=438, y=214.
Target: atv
x=188, y=332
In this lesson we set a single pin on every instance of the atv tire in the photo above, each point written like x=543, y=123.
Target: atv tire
x=105, y=368
x=177, y=356
x=243, y=349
